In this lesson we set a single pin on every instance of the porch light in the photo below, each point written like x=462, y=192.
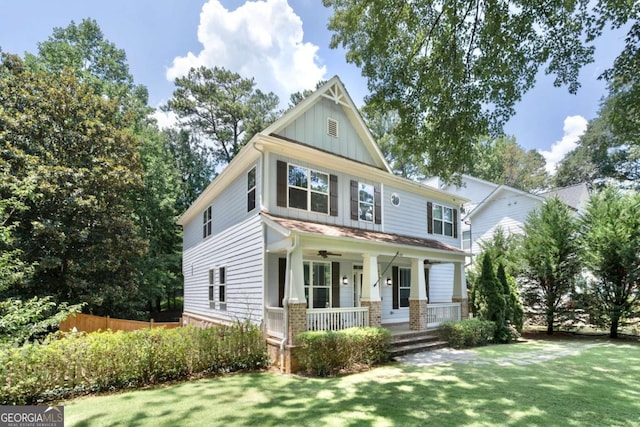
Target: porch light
x=389, y=281
x=345, y=281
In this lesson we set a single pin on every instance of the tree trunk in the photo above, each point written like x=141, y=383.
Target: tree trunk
x=550, y=323
x=613, y=332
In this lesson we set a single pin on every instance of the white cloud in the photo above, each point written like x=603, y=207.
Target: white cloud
x=574, y=127
x=260, y=39
x=165, y=120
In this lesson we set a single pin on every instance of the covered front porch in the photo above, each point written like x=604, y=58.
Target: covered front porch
x=323, y=277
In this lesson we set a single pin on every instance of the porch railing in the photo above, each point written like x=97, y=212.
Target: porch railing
x=335, y=319
x=441, y=312
x=275, y=322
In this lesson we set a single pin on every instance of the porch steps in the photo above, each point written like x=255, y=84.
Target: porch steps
x=415, y=342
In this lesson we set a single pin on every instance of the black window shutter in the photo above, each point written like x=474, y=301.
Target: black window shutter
x=427, y=272
x=430, y=217
x=377, y=204
x=282, y=277
x=354, y=200
x=333, y=195
x=281, y=183
x=455, y=223
x=396, y=288
x=335, y=284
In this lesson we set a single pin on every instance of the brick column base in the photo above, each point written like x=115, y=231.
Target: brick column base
x=375, y=312
x=464, y=307
x=418, y=314
x=297, y=324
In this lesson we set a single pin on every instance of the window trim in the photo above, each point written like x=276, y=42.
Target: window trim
x=372, y=204
x=222, y=286
x=309, y=191
x=212, y=273
x=308, y=287
x=251, y=191
x=207, y=221
x=443, y=220
x=404, y=286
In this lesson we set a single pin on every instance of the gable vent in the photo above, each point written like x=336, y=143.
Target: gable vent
x=332, y=127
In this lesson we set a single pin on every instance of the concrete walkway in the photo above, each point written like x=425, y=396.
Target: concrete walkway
x=552, y=350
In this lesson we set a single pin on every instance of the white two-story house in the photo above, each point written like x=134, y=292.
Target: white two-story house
x=308, y=228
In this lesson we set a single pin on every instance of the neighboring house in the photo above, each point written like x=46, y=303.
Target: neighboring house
x=493, y=205
x=308, y=228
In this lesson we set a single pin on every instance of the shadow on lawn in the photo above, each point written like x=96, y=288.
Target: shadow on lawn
x=598, y=387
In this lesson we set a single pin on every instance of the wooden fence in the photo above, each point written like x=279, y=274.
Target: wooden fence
x=90, y=323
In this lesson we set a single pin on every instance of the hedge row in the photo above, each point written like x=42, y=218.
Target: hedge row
x=79, y=363
x=324, y=353
x=468, y=332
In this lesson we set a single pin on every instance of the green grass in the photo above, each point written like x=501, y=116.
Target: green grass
x=599, y=386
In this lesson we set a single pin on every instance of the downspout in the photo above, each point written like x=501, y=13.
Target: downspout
x=285, y=301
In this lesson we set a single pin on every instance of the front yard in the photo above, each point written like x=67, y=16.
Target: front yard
x=594, y=382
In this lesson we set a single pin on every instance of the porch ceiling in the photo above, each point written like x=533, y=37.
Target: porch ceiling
x=357, y=234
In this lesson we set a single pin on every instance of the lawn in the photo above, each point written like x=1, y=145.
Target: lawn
x=531, y=383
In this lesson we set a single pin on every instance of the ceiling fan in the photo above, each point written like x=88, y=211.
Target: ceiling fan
x=323, y=253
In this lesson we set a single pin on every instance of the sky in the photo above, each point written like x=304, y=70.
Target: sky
x=284, y=45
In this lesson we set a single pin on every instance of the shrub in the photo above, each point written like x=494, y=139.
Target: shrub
x=78, y=362
x=468, y=332
x=324, y=353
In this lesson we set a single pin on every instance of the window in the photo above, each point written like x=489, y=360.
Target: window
x=251, y=190
x=404, y=286
x=308, y=189
x=206, y=222
x=332, y=127
x=395, y=199
x=442, y=220
x=222, y=287
x=317, y=284
x=466, y=240
x=212, y=303
x=365, y=202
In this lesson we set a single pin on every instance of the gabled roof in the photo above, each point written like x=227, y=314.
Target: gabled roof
x=574, y=196
x=494, y=195
x=335, y=91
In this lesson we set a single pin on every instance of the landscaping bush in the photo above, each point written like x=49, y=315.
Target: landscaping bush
x=78, y=363
x=468, y=332
x=324, y=353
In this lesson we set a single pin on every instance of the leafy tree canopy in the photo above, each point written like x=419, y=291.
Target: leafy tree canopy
x=224, y=108
x=454, y=70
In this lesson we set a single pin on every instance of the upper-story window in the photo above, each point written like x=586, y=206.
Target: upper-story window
x=303, y=188
x=442, y=220
x=251, y=190
x=207, y=216
x=365, y=202
x=308, y=189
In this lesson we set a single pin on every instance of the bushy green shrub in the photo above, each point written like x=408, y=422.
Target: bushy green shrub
x=324, y=353
x=468, y=332
x=78, y=362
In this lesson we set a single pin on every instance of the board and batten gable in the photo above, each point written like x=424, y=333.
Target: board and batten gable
x=240, y=250
x=228, y=208
x=312, y=128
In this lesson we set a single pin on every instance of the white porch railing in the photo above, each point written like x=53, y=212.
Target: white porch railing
x=275, y=321
x=335, y=319
x=441, y=312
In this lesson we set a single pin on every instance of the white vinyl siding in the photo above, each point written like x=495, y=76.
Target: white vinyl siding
x=240, y=250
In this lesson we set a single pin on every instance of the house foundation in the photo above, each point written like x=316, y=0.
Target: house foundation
x=375, y=312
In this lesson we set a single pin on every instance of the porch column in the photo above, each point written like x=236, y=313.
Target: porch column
x=460, y=289
x=297, y=305
x=418, y=299
x=371, y=289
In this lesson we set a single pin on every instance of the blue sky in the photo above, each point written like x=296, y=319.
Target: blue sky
x=284, y=45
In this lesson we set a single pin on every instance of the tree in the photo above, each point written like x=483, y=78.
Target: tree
x=454, y=70
x=610, y=234
x=550, y=253
x=73, y=146
x=513, y=311
x=222, y=107
x=489, y=303
x=297, y=97
x=503, y=161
